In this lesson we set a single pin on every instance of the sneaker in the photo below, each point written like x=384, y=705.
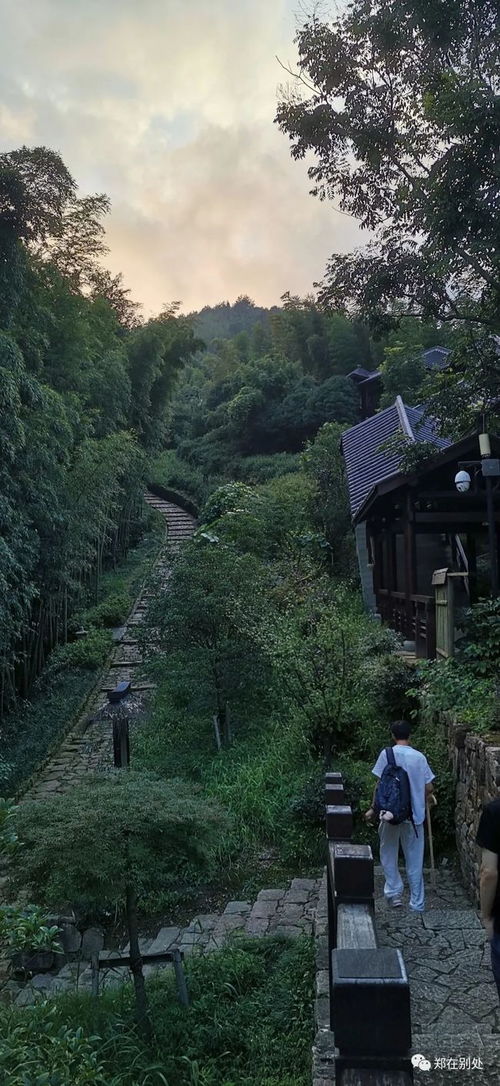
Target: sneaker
x=395, y=902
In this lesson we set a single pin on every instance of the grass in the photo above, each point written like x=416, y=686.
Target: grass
x=249, y=1023
x=257, y=781
x=37, y=725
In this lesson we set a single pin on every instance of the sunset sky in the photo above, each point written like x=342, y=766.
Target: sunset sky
x=168, y=106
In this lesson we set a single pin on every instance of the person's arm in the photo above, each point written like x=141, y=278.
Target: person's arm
x=370, y=812
x=488, y=882
x=488, y=840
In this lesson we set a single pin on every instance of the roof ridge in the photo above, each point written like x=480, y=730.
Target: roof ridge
x=403, y=419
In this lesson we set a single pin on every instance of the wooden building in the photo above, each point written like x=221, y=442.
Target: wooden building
x=369, y=382
x=410, y=525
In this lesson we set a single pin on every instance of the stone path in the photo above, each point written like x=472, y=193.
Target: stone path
x=89, y=747
x=454, y=1003
x=281, y=911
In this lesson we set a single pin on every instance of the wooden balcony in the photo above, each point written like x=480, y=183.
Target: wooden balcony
x=414, y=617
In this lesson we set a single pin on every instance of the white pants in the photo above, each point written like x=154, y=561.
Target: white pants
x=391, y=837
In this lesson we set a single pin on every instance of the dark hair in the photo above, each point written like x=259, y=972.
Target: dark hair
x=401, y=729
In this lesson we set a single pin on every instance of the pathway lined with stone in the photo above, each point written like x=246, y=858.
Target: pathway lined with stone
x=89, y=747
x=454, y=1002
x=283, y=911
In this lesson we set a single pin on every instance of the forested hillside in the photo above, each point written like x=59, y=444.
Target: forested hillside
x=84, y=386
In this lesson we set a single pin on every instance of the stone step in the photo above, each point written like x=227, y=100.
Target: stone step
x=165, y=940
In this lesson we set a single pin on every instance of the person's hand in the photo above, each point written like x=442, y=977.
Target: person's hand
x=487, y=922
x=431, y=800
x=369, y=815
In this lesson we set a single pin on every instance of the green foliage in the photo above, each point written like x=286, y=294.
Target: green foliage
x=403, y=369
x=409, y=149
x=111, y=612
x=411, y=454
x=204, y=625
x=319, y=645
x=481, y=647
x=36, y=726
x=329, y=504
x=9, y=841
x=169, y=470
x=261, y=469
x=250, y=1021
x=86, y=654
x=124, y=827
x=43, y=1053
x=26, y=929
x=451, y=686
x=84, y=390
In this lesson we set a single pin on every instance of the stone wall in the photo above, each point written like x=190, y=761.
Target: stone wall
x=476, y=765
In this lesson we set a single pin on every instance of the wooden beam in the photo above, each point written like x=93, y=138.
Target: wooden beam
x=458, y=519
x=370, y=1076
x=356, y=927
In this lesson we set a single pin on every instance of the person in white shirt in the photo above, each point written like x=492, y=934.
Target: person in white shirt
x=407, y=834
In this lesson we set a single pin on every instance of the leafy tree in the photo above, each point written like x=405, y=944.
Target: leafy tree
x=324, y=465
x=205, y=625
x=137, y=833
x=156, y=352
x=397, y=101
x=318, y=643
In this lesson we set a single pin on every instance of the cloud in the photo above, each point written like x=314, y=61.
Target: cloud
x=168, y=106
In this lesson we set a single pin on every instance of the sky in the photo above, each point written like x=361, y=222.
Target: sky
x=168, y=107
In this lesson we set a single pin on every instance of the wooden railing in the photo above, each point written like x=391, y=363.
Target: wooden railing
x=413, y=617
x=369, y=990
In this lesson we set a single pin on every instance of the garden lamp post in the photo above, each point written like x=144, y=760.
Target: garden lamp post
x=489, y=467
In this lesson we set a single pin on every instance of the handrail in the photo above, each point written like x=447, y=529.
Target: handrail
x=369, y=990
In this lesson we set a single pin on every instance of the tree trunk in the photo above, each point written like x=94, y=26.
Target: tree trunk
x=141, y=999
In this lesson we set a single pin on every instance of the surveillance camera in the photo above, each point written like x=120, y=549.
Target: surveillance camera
x=462, y=481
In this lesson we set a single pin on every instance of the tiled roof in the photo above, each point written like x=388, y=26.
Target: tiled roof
x=360, y=374
x=366, y=465
x=436, y=358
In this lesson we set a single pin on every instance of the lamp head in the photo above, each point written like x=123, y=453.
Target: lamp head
x=462, y=481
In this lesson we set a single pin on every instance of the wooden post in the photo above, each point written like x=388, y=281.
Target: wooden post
x=410, y=564
x=121, y=745
x=339, y=823
x=335, y=795
x=218, y=741
x=353, y=872
x=371, y=1005
x=180, y=978
x=94, y=963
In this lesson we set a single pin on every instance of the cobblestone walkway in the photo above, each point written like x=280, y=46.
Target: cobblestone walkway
x=454, y=1003
x=89, y=747
x=283, y=911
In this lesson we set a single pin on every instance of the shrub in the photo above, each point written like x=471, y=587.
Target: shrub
x=88, y=653
x=37, y=1050
x=36, y=726
x=111, y=612
x=250, y=1021
x=481, y=650
x=171, y=470
x=449, y=686
x=260, y=469
x=87, y=846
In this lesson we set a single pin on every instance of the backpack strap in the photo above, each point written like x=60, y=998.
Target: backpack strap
x=389, y=753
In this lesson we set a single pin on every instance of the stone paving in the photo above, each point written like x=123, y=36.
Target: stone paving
x=89, y=747
x=454, y=1003
x=289, y=912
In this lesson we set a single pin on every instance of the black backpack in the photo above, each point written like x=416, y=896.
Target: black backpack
x=393, y=793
